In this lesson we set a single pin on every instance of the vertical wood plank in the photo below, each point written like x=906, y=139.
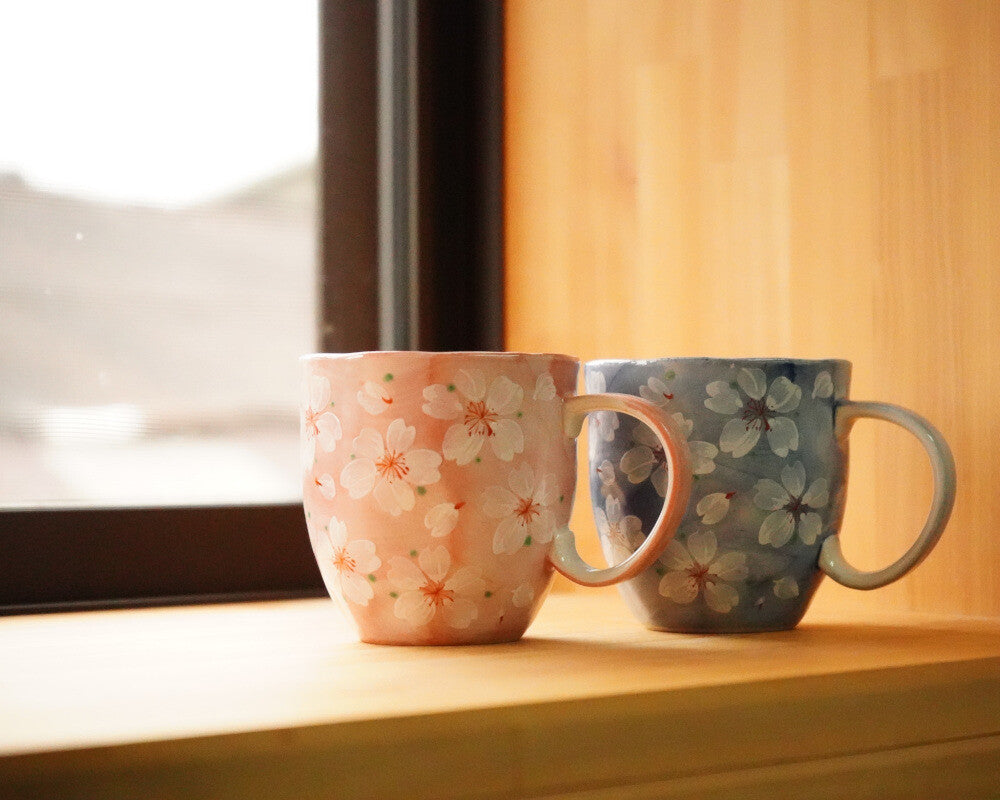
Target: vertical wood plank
x=811, y=179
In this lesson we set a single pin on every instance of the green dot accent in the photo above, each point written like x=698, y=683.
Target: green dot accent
x=413, y=553
x=451, y=387
x=520, y=414
x=562, y=497
x=388, y=376
x=696, y=477
x=332, y=404
x=660, y=571
x=352, y=456
x=733, y=385
x=421, y=490
x=670, y=375
x=527, y=541
x=487, y=594
x=372, y=578
x=393, y=594
x=479, y=460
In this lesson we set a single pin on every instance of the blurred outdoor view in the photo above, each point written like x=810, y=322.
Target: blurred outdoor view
x=157, y=249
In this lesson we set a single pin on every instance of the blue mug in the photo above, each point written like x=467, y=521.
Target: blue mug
x=769, y=442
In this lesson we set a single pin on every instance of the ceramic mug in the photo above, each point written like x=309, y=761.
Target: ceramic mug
x=438, y=486
x=769, y=443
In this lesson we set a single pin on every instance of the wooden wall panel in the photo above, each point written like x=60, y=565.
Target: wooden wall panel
x=807, y=178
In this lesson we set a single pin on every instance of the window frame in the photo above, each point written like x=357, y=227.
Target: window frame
x=410, y=257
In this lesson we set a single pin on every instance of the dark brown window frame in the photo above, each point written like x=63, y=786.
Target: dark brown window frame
x=411, y=257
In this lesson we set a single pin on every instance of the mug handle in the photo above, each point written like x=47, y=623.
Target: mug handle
x=563, y=554
x=831, y=559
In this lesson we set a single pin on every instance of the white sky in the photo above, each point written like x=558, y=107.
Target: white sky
x=156, y=102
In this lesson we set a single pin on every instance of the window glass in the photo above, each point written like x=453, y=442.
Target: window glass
x=157, y=249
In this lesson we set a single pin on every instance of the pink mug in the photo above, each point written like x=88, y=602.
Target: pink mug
x=438, y=488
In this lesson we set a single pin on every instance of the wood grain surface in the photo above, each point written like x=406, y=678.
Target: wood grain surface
x=278, y=700
x=815, y=178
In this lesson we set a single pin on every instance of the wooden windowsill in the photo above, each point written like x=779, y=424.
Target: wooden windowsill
x=278, y=700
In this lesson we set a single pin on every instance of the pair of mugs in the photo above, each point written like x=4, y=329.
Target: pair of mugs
x=438, y=488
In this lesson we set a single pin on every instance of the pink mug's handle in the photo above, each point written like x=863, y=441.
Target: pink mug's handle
x=564, y=555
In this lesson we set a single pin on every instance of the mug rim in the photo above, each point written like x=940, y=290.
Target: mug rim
x=759, y=360
x=502, y=355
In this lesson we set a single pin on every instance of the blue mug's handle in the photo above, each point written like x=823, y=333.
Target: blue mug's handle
x=831, y=559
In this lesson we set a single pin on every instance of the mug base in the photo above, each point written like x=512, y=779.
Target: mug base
x=440, y=641
x=707, y=631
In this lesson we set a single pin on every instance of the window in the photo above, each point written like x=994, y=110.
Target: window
x=248, y=540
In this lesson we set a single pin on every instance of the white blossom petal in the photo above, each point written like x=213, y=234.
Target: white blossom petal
x=435, y=562
x=703, y=457
x=368, y=444
x=823, y=387
x=721, y=597
x=679, y=587
x=326, y=485
x=523, y=595
x=459, y=446
x=712, y=508
x=660, y=478
x=394, y=496
x=504, y=396
x=783, y=436
x=356, y=588
x=471, y=383
x=738, y=438
x=509, y=536
x=793, y=478
x=545, y=387
x=507, y=439
x=459, y=613
x=404, y=575
x=784, y=396
x=363, y=553
x=752, y=381
x=358, y=477
x=543, y=527
x=399, y=436
x=731, y=566
x=441, y=519
x=328, y=426
x=777, y=528
x=319, y=392
x=522, y=480
x=702, y=546
x=810, y=527
x=770, y=496
x=499, y=502
x=414, y=608
x=818, y=494
x=786, y=588
x=441, y=404
x=723, y=398
x=423, y=467
x=675, y=556
x=637, y=463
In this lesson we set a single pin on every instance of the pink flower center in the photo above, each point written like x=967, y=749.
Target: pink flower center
x=700, y=575
x=435, y=594
x=794, y=507
x=312, y=421
x=479, y=420
x=392, y=466
x=755, y=414
x=527, y=509
x=343, y=561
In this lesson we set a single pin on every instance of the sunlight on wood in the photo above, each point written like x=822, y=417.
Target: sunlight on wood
x=814, y=179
